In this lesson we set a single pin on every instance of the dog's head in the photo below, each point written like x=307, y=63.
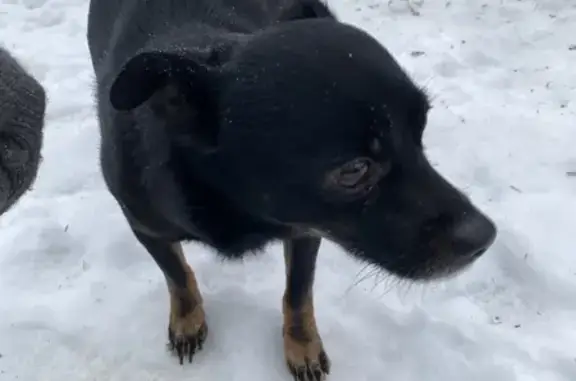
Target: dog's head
x=314, y=125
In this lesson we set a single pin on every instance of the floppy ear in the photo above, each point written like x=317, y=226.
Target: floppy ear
x=181, y=93
x=306, y=9
x=147, y=73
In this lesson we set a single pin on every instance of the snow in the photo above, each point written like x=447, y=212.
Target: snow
x=80, y=299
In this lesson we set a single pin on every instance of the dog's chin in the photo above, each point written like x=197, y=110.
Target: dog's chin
x=438, y=271
x=421, y=268
x=437, y=268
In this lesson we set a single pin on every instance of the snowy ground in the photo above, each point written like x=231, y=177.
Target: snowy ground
x=81, y=300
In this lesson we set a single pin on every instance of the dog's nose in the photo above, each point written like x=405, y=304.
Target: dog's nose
x=473, y=235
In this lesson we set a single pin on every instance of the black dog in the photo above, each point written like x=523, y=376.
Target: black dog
x=238, y=122
x=22, y=109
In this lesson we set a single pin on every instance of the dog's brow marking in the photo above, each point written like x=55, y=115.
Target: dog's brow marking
x=378, y=133
x=388, y=116
x=395, y=135
x=376, y=147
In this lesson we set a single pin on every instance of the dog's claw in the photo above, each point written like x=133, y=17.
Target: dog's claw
x=187, y=345
x=312, y=371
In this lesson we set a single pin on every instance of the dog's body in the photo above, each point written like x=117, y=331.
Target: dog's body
x=237, y=123
x=129, y=159
x=22, y=108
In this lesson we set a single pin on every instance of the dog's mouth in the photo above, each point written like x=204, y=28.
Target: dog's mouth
x=442, y=266
x=431, y=252
x=443, y=257
x=434, y=261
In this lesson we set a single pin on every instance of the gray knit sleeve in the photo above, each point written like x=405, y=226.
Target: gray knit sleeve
x=22, y=109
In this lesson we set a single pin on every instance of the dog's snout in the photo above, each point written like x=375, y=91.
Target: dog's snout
x=473, y=235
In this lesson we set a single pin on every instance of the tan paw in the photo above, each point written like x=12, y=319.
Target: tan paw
x=187, y=334
x=306, y=359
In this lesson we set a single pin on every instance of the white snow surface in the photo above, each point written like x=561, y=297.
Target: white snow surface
x=80, y=299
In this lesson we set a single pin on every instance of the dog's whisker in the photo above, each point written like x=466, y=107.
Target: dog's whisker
x=367, y=276
x=357, y=279
x=366, y=266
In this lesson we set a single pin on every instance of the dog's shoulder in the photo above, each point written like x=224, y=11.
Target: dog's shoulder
x=156, y=150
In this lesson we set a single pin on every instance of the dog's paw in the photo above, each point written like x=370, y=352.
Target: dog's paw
x=187, y=334
x=307, y=361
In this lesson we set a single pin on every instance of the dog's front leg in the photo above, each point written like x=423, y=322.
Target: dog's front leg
x=187, y=327
x=303, y=349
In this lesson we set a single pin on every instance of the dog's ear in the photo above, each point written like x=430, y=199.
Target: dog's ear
x=146, y=73
x=180, y=91
x=306, y=9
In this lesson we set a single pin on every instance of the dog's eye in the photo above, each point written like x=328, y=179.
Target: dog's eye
x=355, y=179
x=353, y=172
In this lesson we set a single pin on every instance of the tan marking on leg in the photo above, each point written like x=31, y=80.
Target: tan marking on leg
x=187, y=328
x=303, y=349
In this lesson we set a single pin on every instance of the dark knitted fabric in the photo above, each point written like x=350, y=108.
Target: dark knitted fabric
x=22, y=108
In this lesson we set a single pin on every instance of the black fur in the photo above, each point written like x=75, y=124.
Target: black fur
x=239, y=122
x=22, y=108
x=302, y=252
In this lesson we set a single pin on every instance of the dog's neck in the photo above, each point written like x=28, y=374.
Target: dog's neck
x=193, y=178
x=202, y=43
x=198, y=180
